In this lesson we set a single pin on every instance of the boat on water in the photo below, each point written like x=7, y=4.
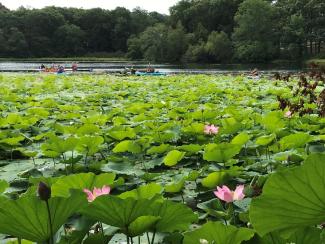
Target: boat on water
x=149, y=71
x=156, y=73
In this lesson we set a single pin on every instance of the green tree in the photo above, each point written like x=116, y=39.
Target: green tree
x=153, y=41
x=70, y=40
x=219, y=47
x=213, y=15
x=141, y=19
x=159, y=43
x=176, y=43
x=3, y=43
x=16, y=43
x=122, y=28
x=98, y=27
x=293, y=37
x=134, y=48
x=301, y=25
x=196, y=53
x=39, y=26
x=254, y=37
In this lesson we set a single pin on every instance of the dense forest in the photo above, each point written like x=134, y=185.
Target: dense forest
x=195, y=31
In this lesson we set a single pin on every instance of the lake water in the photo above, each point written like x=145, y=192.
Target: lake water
x=168, y=68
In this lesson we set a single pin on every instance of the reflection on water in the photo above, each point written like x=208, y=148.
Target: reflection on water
x=168, y=68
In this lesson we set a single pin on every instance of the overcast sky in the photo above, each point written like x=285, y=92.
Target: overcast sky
x=160, y=6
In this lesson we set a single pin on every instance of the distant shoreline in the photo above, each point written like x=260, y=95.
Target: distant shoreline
x=122, y=60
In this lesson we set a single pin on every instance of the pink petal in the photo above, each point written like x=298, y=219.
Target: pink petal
x=106, y=190
x=288, y=114
x=214, y=129
x=90, y=195
x=97, y=192
x=225, y=194
x=207, y=129
x=228, y=197
x=219, y=194
x=239, y=192
x=226, y=189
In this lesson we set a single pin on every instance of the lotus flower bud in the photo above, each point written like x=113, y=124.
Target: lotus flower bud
x=44, y=191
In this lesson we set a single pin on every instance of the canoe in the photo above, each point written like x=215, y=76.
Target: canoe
x=150, y=73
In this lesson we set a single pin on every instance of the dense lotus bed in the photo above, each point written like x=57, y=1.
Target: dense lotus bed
x=178, y=159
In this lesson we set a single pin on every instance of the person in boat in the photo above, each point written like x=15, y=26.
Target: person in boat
x=150, y=69
x=60, y=69
x=74, y=67
x=43, y=67
x=133, y=70
x=254, y=72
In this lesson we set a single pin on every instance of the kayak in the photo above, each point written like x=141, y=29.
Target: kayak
x=150, y=73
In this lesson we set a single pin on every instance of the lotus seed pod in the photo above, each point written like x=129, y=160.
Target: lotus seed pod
x=44, y=191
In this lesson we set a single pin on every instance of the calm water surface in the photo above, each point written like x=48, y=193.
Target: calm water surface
x=168, y=68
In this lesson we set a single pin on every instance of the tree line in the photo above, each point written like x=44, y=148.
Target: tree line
x=195, y=31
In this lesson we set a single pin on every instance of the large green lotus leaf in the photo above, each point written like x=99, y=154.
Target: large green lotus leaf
x=218, y=233
x=120, y=135
x=173, y=157
x=81, y=181
x=14, y=118
x=240, y=139
x=94, y=118
x=3, y=186
x=297, y=197
x=146, y=191
x=142, y=224
x=118, y=212
x=294, y=141
x=306, y=235
x=127, y=146
x=12, y=141
x=273, y=121
x=27, y=217
x=231, y=126
x=264, y=140
x=194, y=128
x=90, y=144
x=176, y=186
x=88, y=129
x=214, y=179
x=220, y=152
x=193, y=175
x=59, y=145
x=173, y=216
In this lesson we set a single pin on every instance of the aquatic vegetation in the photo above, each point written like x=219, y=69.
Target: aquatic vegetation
x=99, y=159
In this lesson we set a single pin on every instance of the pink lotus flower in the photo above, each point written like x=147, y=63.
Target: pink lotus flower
x=225, y=194
x=288, y=114
x=91, y=196
x=211, y=129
